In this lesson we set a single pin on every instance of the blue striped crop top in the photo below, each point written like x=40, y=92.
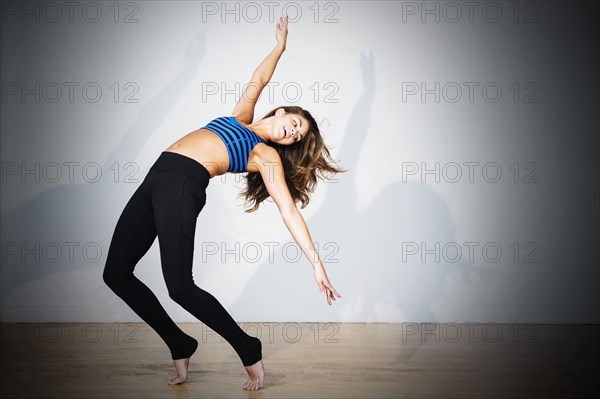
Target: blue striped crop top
x=238, y=139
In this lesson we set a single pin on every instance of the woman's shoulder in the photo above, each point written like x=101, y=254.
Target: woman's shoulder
x=263, y=154
x=241, y=118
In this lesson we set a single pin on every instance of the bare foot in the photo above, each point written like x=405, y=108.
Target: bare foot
x=181, y=365
x=256, y=374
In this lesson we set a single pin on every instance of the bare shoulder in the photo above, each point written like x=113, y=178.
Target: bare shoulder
x=262, y=154
x=267, y=162
x=244, y=118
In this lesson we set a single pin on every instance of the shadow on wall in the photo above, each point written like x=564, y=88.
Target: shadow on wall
x=365, y=246
x=370, y=273
x=68, y=215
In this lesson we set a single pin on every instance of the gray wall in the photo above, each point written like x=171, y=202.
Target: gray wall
x=471, y=140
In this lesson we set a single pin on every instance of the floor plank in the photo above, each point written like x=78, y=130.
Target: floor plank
x=305, y=360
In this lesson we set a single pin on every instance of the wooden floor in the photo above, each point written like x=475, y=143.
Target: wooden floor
x=305, y=360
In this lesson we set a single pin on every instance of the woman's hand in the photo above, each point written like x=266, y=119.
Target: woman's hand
x=324, y=284
x=281, y=32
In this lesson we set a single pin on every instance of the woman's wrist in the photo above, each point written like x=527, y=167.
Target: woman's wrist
x=314, y=258
x=318, y=265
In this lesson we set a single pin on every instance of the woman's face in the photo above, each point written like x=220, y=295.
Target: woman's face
x=288, y=128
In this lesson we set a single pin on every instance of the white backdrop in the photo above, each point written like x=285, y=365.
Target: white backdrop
x=470, y=133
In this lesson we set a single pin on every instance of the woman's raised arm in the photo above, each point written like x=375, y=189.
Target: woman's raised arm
x=244, y=109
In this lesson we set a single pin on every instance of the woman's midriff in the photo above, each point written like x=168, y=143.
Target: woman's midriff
x=206, y=148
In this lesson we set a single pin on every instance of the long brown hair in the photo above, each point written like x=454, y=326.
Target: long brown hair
x=303, y=162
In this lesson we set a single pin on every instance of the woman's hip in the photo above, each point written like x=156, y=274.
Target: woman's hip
x=184, y=166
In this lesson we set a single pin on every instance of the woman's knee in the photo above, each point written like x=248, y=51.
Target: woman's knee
x=112, y=275
x=182, y=293
x=109, y=276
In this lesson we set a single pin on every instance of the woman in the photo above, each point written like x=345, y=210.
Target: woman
x=282, y=154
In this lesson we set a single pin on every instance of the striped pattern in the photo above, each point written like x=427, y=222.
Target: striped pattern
x=238, y=139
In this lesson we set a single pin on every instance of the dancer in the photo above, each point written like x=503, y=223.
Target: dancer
x=281, y=153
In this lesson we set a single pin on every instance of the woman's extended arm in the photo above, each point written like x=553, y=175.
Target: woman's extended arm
x=297, y=226
x=271, y=170
x=244, y=109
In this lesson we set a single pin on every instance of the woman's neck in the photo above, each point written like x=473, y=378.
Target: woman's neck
x=263, y=128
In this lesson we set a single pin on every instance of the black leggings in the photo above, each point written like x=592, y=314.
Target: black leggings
x=167, y=204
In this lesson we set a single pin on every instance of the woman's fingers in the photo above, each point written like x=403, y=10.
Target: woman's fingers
x=333, y=291
x=325, y=291
x=332, y=296
x=330, y=292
